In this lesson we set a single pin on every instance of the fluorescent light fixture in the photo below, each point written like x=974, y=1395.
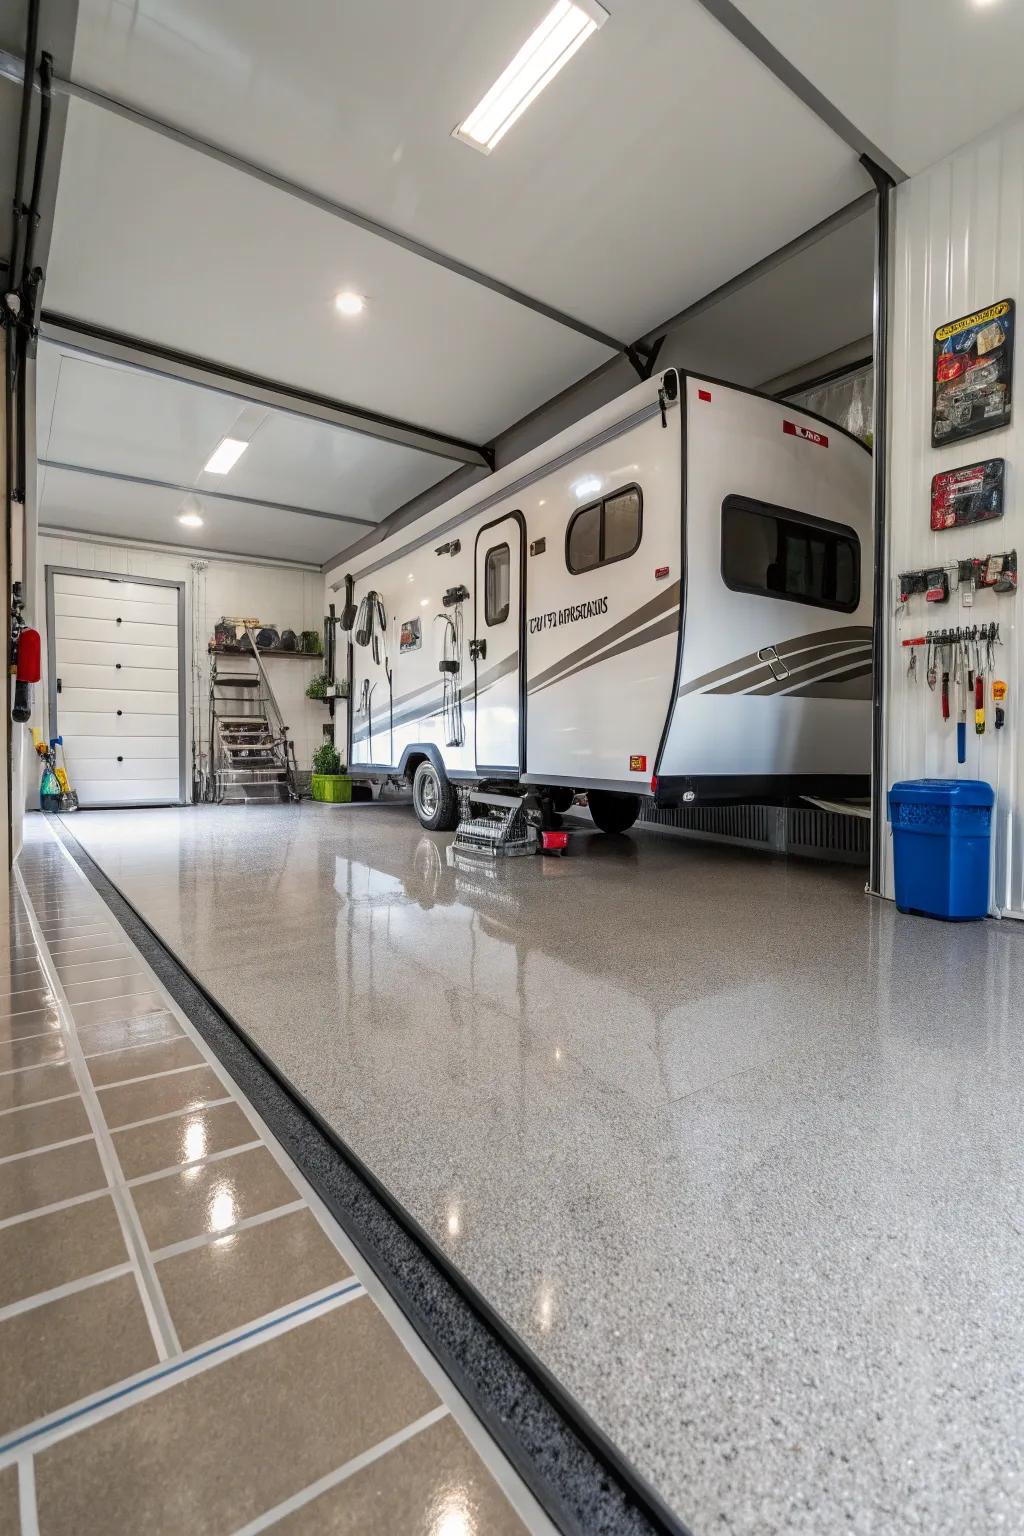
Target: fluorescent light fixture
x=190, y=520
x=349, y=303
x=565, y=28
x=225, y=456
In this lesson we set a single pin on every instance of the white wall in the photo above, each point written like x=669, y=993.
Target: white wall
x=287, y=597
x=959, y=245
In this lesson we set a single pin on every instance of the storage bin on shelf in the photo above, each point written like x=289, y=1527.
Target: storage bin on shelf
x=942, y=840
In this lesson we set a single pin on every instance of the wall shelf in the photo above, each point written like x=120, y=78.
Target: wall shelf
x=213, y=650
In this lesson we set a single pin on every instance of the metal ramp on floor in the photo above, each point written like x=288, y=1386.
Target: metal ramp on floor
x=253, y=754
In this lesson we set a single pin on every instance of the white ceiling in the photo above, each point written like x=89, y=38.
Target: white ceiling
x=662, y=162
x=918, y=77
x=102, y=416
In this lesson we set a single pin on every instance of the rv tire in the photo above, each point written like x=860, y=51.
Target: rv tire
x=434, y=799
x=613, y=812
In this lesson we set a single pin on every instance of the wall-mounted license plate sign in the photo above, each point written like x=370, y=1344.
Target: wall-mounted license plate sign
x=972, y=494
x=972, y=374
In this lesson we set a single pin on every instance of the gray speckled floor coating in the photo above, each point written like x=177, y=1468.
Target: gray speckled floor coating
x=734, y=1149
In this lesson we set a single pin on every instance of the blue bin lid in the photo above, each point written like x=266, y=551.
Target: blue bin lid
x=943, y=792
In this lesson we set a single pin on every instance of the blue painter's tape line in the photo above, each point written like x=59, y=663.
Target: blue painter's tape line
x=174, y=1368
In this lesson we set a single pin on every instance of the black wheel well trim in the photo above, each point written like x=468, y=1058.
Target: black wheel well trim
x=417, y=753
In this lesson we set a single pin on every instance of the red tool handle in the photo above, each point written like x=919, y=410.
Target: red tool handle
x=945, y=695
x=979, y=692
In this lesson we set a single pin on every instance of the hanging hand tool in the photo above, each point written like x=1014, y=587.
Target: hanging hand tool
x=960, y=679
x=931, y=674
x=999, y=691
x=945, y=648
x=979, y=684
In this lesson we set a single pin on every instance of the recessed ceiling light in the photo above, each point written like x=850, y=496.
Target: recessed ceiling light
x=349, y=303
x=190, y=519
x=225, y=456
x=565, y=28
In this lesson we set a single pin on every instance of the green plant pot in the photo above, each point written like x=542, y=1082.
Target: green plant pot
x=333, y=788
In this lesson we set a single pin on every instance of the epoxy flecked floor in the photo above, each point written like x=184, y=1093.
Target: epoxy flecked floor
x=735, y=1149
x=188, y=1342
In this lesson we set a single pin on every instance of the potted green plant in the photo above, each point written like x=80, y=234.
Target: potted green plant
x=318, y=686
x=311, y=644
x=328, y=781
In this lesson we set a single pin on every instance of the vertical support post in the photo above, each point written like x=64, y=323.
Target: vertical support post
x=883, y=208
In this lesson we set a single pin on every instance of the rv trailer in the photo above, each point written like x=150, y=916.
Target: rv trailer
x=669, y=601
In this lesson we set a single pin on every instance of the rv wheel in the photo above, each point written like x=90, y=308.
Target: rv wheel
x=434, y=800
x=611, y=812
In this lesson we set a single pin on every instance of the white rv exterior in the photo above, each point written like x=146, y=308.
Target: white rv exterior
x=704, y=634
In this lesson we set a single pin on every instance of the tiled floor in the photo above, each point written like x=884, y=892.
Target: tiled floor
x=187, y=1340
x=736, y=1150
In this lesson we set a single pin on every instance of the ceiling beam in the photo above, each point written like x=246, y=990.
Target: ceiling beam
x=198, y=490
x=743, y=30
x=150, y=357
x=13, y=67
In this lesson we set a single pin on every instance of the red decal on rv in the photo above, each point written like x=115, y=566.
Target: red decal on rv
x=660, y=572
x=703, y=394
x=638, y=765
x=807, y=433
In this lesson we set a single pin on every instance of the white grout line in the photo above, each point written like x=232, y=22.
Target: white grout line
x=162, y=1328
x=27, y=1507
x=196, y=1162
x=133, y=1045
x=17, y=1039
x=143, y=1385
x=324, y=1484
x=204, y=1239
x=50, y=1210
x=58, y=1292
x=58, y=1098
x=149, y=1077
x=32, y=1066
x=51, y=1146
x=172, y=1114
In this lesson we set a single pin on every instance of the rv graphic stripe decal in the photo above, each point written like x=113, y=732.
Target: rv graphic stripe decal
x=427, y=708
x=669, y=598
x=656, y=631
x=750, y=671
x=831, y=660
x=852, y=684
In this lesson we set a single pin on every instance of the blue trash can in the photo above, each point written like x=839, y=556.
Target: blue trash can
x=941, y=834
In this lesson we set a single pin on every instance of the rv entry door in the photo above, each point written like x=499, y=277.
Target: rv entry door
x=497, y=649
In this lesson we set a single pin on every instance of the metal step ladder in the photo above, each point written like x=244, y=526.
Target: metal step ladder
x=253, y=754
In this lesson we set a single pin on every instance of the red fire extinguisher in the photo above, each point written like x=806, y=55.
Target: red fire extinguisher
x=27, y=664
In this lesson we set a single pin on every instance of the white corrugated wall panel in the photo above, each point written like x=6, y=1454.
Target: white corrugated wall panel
x=958, y=246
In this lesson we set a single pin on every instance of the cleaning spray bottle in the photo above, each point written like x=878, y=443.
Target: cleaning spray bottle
x=49, y=788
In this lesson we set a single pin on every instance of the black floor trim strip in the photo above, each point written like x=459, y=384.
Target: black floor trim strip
x=584, y=1484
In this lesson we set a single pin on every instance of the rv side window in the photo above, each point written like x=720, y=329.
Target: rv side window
x=774, y=552
x=606, y=531
x=496, y=572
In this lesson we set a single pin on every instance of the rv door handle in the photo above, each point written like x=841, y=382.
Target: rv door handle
x=769, y=654
x=478, y=650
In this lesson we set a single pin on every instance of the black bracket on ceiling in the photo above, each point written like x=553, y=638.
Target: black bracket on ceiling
x=487, y=450
x=642, y=357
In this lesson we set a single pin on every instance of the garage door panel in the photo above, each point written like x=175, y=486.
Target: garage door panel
x=137, y=750
x=127, y=633
x=65, y=584
x=126, y=791
x=162, y=658
x=81, y=606
x=82, y=723
x=115, y=648
x=108, y=701
x=125, y=679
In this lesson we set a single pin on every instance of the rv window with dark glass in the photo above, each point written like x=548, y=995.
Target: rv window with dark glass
x=606, y=531
x=775, y=552
x=496, y=584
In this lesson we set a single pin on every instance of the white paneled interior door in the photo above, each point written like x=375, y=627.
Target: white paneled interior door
x=116, y=687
